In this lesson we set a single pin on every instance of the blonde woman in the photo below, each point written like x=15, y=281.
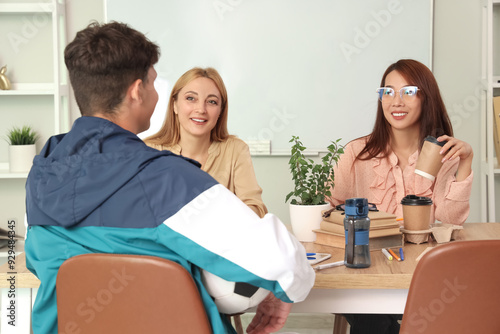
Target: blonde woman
x=196, y=127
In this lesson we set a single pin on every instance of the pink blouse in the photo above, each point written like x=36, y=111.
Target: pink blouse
x=383, y=183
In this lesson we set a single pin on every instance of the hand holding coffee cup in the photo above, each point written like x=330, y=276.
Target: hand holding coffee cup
x=429, y=160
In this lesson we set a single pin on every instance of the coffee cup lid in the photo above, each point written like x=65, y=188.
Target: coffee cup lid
x=416, y=200
x=433, y=140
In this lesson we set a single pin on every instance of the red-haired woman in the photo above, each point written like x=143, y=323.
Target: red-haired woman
x=381, y=165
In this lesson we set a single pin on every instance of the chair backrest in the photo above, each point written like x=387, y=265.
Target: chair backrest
x=455, y=289
x=114, y=293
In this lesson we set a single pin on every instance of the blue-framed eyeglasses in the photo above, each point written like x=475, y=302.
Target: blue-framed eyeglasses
x=341, y=207
x=407, y=94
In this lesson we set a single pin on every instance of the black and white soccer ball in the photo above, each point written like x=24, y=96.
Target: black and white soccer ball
x=232, y=297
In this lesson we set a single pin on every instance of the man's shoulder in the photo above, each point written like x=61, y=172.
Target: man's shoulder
x=170, y=161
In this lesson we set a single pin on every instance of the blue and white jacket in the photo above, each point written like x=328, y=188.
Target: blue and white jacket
x=100, y=189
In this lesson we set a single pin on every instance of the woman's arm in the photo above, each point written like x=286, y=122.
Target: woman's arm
x=246, y=187
x=451, y=196
x=455, y=148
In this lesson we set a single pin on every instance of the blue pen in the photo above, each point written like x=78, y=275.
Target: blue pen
x=401, y=255
x=317, y=257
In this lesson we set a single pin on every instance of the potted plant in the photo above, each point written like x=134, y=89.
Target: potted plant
x=313, y=183
x=22, y=148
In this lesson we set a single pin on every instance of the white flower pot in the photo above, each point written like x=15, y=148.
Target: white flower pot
x=21, y=158
x=306, y=218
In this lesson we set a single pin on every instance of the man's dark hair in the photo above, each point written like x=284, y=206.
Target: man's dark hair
x=103, y=61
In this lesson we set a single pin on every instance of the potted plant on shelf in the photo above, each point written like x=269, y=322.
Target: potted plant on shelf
x=313, y=182
x=22, y=148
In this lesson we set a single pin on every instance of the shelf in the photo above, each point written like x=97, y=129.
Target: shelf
x=30, y=89
x=496, y=81
x=489, y=164
x=5, y=174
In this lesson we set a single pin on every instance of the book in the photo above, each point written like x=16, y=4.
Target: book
x=496, y=130
x=338, y=241
x=374, y=232
x=378, y=219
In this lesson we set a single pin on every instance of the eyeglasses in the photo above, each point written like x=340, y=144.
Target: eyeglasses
x=341, y=207
x=407, y=94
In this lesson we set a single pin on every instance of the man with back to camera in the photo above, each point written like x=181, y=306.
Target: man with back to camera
x=100, y=189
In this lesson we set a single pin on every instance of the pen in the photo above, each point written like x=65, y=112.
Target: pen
x=329, y=265
x=387, y=255
x=401, y=254
x=399, y=219
x=317, y=257
x=394, y=255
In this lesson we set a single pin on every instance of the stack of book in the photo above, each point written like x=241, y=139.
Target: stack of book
x=496, y=132
x=384, y=230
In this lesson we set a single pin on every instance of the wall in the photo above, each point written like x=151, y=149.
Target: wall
x=457, y=66
x=80, y=14
x=301, y=62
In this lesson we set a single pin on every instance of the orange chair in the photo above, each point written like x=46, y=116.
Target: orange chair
x=112, y=293
x=455, y=289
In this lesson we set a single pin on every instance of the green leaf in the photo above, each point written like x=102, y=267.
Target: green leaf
x=313, y=181
x=22, y=136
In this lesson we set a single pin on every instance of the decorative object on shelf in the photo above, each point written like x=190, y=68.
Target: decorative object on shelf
x=22, y=148
x=4, y=81
x=313, y=182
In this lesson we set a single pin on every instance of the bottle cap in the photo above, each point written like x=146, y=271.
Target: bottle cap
x=356, y=207
x=416, y=200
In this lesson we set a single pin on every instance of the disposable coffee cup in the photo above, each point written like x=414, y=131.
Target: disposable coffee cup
x=429, y=160
x=416, y=212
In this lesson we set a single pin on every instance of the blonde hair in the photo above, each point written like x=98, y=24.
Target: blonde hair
x=169, y=134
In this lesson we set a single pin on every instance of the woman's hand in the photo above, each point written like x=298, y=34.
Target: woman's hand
x=456, y=148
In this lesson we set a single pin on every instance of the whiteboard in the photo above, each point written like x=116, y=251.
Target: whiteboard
x=291, y=67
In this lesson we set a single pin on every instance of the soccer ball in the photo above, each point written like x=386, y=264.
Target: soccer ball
x=232, y=297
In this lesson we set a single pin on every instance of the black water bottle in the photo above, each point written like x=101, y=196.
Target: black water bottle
x=357, y=228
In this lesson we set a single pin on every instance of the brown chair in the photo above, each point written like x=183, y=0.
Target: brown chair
x=455, y=289
x=112, y=293
x=340, y=324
